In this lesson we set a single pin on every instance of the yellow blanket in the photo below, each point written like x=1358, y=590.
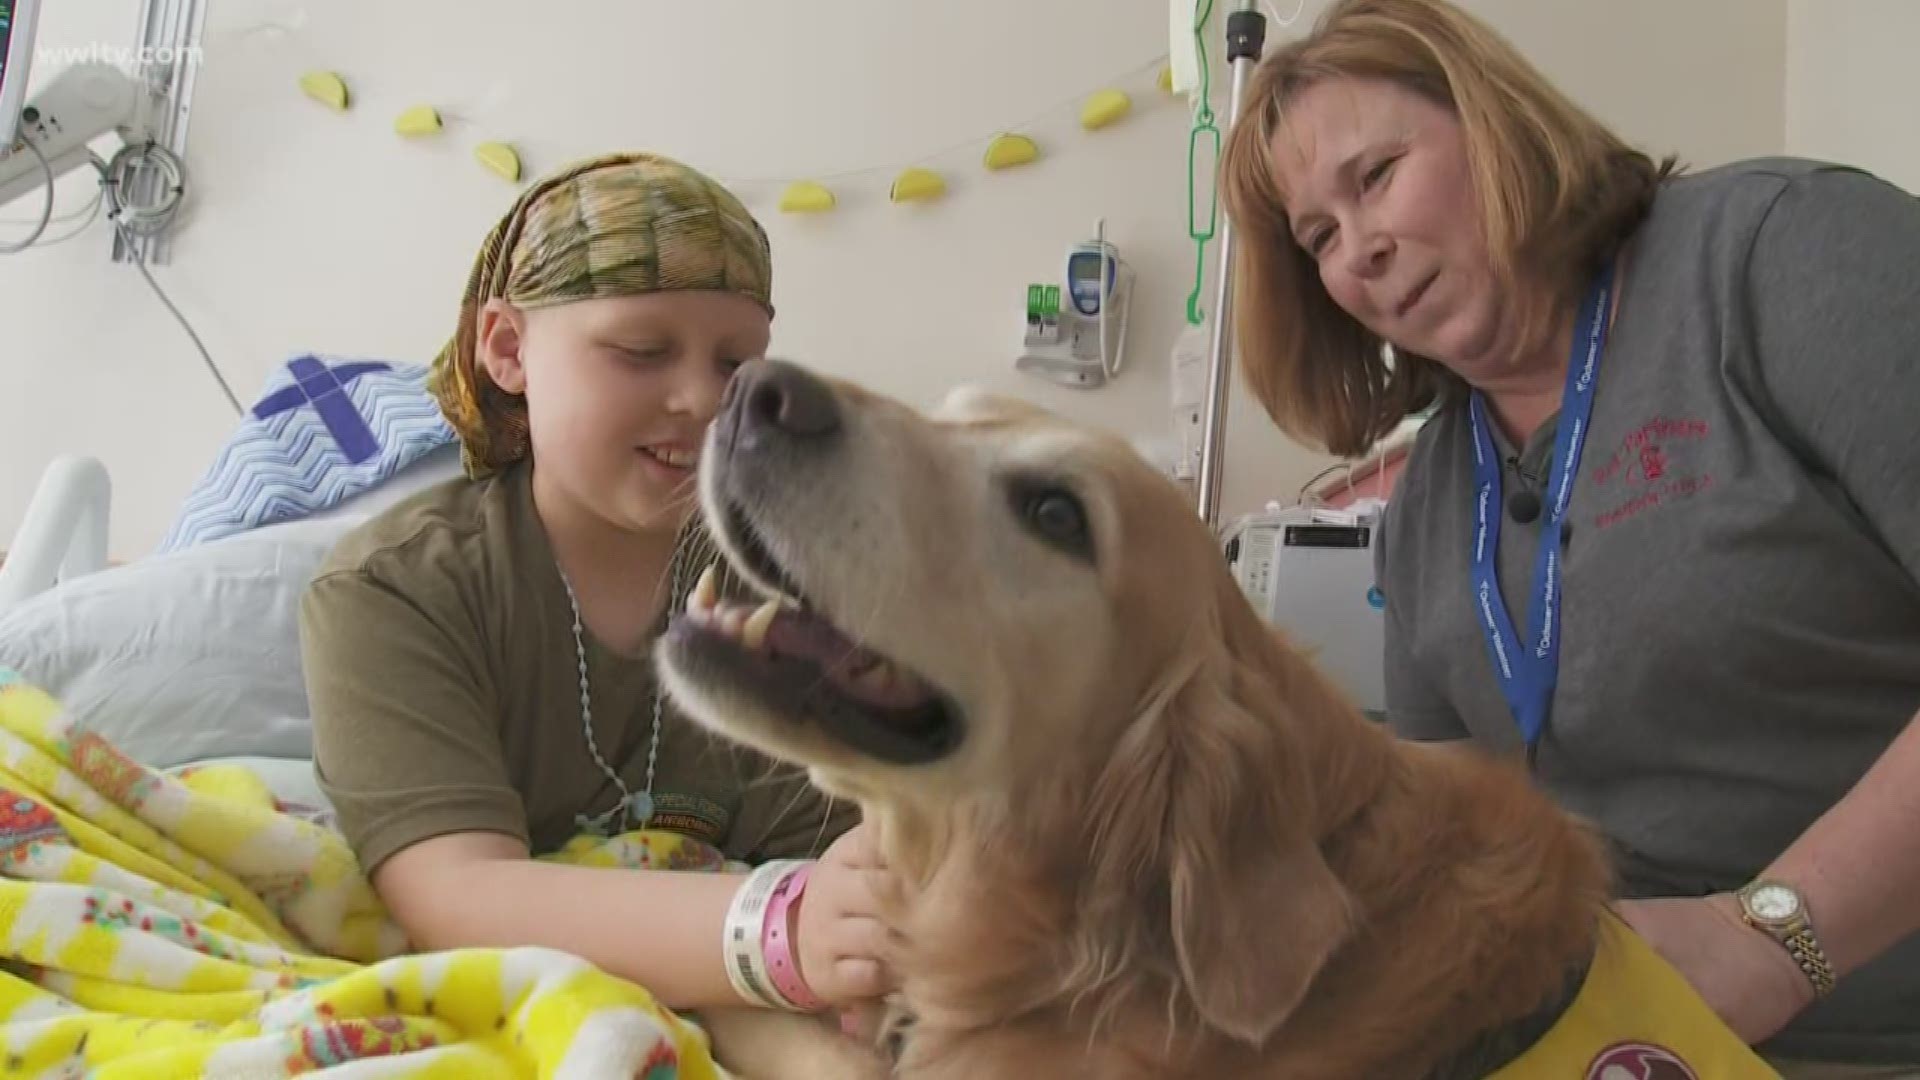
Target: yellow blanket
x=156, y=926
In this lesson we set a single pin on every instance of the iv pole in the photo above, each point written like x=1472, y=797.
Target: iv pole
x=1246, y=37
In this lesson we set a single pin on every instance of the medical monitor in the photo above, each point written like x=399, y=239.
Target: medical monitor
x=17, y=18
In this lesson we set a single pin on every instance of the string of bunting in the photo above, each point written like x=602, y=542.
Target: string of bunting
x=923, y=180
x=1013, y=146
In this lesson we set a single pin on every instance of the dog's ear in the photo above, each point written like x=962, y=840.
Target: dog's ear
x=1256, y=911
x=1252, y=913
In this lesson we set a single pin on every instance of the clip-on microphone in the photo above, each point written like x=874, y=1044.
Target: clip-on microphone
x=1523, y=507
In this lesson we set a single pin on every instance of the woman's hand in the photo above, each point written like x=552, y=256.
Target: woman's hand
x=1743, y=975
x=837, y=934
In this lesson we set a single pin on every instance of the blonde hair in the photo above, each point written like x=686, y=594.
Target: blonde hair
x=1557, y=192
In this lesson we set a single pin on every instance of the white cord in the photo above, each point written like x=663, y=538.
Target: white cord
x=92, y=212
x=1289, y=20
x=1105, y=303
x=119, y=175
x=205, y=357
x=46, y=210
x=116, y=176
x=1109, y=295
x=132, y=221
x=92, y=209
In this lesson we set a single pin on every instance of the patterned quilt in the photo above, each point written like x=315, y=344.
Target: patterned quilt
x=161, y=926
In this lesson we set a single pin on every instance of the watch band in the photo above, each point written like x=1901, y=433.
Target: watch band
x=1793, y=930
x=1812, y=959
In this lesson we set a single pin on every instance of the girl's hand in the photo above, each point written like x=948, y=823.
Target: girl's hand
x=837, y=935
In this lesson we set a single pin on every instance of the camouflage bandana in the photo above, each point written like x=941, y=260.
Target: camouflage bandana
x=617, y=225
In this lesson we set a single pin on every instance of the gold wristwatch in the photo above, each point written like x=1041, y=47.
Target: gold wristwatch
x=1779, y=911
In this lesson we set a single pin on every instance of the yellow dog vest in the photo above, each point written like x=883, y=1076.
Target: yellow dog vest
x=1636, y=1018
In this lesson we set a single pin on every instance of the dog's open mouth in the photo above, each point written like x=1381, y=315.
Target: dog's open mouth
x=802, y=666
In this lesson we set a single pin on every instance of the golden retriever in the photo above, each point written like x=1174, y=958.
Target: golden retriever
x=1136, y=833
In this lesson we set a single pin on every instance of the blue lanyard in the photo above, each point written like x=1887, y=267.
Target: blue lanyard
x=1528, y=668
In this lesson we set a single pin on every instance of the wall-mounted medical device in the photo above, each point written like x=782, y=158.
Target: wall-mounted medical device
x=1309, y=571
x=48, y=134
x=52, y=131
x=1081, y=342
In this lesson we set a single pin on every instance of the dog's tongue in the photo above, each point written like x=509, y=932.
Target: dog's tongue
x=857, y=672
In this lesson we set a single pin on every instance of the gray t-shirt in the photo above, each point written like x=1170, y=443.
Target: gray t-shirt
x=1740, y=626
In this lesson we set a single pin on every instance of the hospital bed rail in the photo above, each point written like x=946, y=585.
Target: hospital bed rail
x=64, y=532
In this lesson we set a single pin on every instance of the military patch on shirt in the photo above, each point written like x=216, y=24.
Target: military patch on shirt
x=1639, y=1061
x=695, y=816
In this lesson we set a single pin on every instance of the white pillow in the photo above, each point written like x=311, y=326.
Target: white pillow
x=178, y=657
x=195, y=654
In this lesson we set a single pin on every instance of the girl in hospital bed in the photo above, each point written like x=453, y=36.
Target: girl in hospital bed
x=1674, y=449
x=477, y=656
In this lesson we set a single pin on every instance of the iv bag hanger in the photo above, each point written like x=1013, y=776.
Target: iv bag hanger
x=1246, y=37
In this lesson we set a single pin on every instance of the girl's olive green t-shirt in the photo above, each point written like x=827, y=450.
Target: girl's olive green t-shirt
x=445, y=690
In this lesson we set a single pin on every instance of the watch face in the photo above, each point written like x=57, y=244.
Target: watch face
x=1774, y=903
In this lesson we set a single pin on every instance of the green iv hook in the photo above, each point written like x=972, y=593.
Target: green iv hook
x=1203, y=128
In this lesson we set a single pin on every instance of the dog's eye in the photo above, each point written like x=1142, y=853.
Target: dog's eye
x=1058, y=517
x=1055, y=515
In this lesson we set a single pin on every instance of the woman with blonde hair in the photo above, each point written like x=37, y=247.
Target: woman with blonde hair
x=1660, y=538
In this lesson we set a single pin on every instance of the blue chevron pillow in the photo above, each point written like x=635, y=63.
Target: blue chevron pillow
x=323, y=431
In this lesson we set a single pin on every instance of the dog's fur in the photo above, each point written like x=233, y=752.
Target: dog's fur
x=1167, y=846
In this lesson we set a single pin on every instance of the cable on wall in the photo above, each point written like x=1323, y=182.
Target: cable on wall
x=46, y=207
x=131, y=220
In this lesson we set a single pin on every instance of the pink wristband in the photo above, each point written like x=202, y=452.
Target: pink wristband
x=776, y=944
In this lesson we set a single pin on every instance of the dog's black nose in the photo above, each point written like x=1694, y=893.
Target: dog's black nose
x=777, y=397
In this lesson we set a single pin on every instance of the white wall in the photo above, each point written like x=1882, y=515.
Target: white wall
x=1850, y=84
x=324, y=232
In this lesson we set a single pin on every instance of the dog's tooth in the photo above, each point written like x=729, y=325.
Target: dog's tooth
x=706, y=593
x=877, y=679
x=899, y=678
x=753, y=633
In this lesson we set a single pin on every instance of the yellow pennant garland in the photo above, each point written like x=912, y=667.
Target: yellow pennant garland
x=417, y=121
x=500, y=159
x=1011, y=151
x=918, y=185
x=806, y=197
x=1104, y=109
x=414, y=122
x=1008, y=149
x=327, y=88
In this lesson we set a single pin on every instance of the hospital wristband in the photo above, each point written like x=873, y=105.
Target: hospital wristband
x=776, y=943
x=745, y=925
